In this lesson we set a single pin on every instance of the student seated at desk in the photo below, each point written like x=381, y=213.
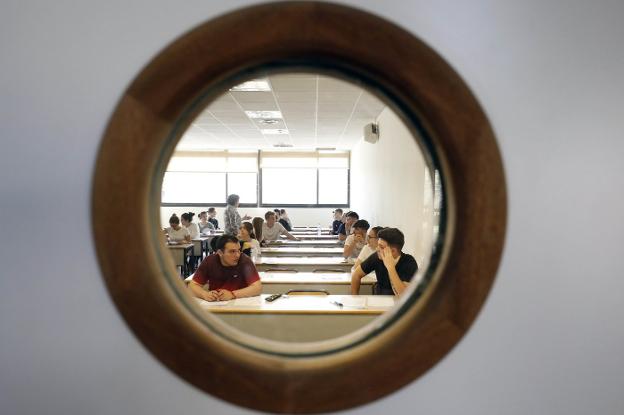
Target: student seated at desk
x=176, y=232
x=247, y=238
x=370, y=248
x=257, y=223
x=187, y=222
x=285, y=220
x=357, y=240
x=337, y=221
x=271, y=230
x=393, y=268
x=205, y=227
x=212, y=213
x=229, y=274
x=345, y=229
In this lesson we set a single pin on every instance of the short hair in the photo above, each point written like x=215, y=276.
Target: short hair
x=269, y=214
x=338, y=211
x=188, y=216
x=224, y=239
x=393, y=237
x=361, y=224
x=203, y=212
x=282, y=211
x=232, y=199
x=174, y=219
x=352, y=214
x=210, y=210
x=376, y=229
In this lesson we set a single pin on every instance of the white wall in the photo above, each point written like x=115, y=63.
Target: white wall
x=549, y=339
x=388, y=184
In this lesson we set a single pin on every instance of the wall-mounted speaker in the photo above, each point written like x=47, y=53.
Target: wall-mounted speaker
x=371, y=133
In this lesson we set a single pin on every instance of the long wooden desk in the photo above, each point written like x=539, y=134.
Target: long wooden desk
x=338, y=283
x=314, y=236
x=304, y=264
x=300, y=318
x=180, y=253
x=309, y=232
x=300, y=251
x=329, y=243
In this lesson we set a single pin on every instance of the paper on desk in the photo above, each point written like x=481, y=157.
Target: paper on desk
x=381, y=301
x=249, y=301
x=217, y=303
x=353, y=302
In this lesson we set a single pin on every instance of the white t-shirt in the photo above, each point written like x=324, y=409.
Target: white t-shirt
x=178, y=235
x=255, y=247
x=365, y=253
x=357, y=246
x=272, y=234
x=193, y=230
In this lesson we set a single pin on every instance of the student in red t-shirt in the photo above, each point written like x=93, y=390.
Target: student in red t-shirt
x=229, y=274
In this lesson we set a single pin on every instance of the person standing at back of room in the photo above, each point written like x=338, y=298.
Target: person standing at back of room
x=231, y=217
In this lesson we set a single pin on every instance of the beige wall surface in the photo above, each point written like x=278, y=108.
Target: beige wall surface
x=549, y=76
x=388, y=184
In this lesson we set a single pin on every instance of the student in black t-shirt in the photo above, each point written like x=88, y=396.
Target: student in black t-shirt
x=394, y=269
x=337, y=221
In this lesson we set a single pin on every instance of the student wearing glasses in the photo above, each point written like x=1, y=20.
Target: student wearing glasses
x=228, y=273
x=371, y=246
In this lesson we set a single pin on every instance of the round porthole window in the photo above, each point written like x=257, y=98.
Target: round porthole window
x=254, y=98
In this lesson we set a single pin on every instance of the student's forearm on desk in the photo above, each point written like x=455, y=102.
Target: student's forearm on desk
x=199, y=292
x=356, y=278
x=251, y=291
x=346, y=252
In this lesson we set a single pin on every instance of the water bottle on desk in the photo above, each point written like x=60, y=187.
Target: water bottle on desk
x=318, y=229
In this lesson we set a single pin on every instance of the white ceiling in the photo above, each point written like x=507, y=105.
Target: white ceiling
x=317, y=111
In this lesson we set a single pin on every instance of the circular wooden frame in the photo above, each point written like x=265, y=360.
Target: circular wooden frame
x=144, y=129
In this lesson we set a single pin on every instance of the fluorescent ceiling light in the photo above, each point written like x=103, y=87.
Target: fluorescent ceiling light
x=253, y=85
x=274, y=131
x=264, y=114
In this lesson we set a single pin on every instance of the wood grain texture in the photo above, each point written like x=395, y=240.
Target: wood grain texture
x=163, y=100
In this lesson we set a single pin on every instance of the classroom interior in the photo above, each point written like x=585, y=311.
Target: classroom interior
x=307, y=142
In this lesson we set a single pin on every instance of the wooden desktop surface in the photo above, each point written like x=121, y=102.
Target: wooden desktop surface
x=301, y=251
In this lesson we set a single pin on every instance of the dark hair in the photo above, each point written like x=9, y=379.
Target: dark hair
x=282, y=211
x=277, y=212
x=352, y=214
x=210, y=210
x=376, y=229
x=249, y=228
x=174, y=219
x=338, y=210
x=188, y=216
x=202, y=212
x=232, y=199
x=361, y=224
x=224, y=239
x=393, y=237
x=269, y=214
x=257, y=225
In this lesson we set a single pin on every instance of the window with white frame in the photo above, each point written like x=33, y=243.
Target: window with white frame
x=207, y=178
